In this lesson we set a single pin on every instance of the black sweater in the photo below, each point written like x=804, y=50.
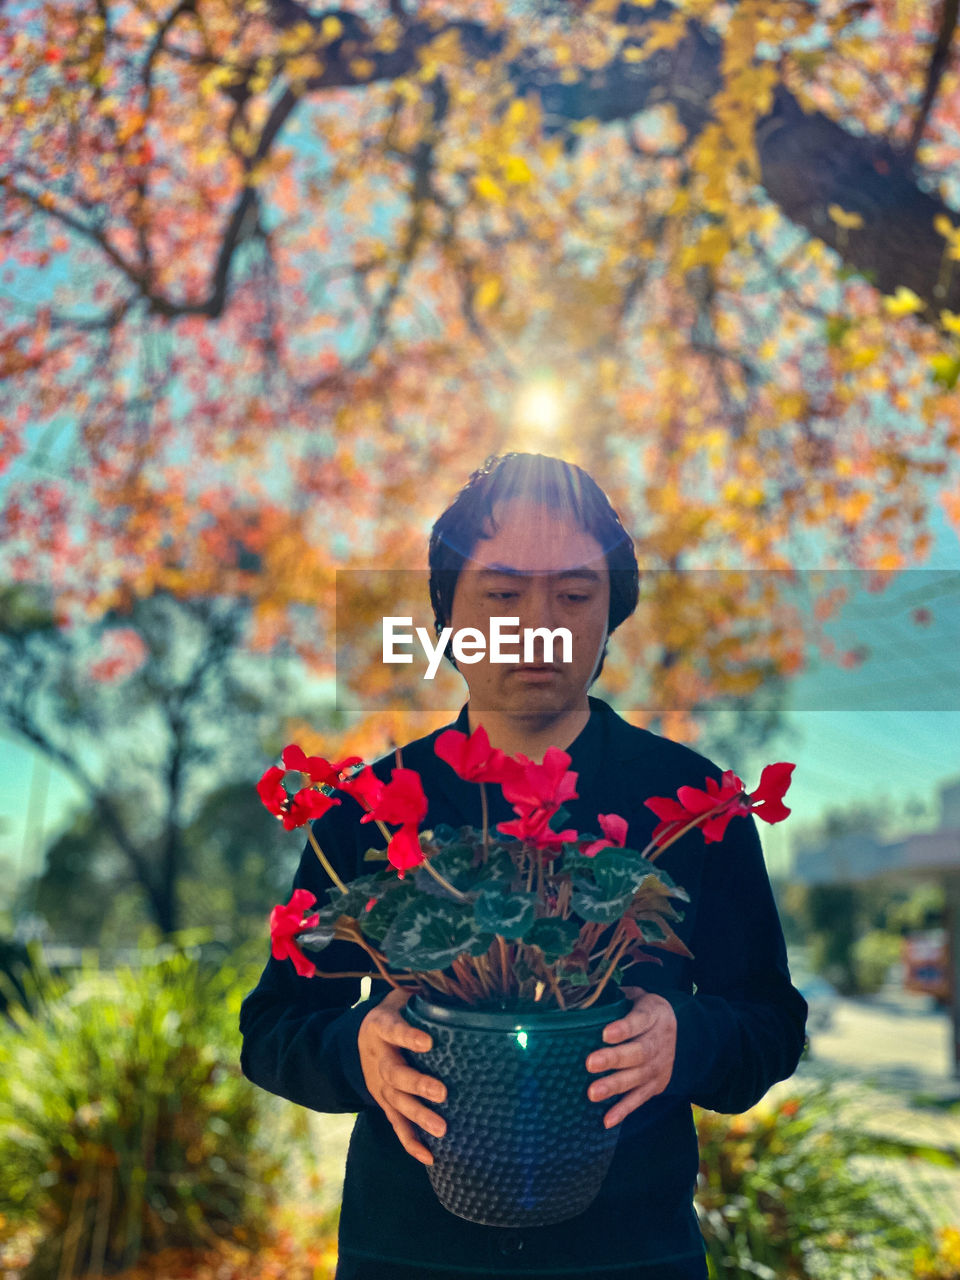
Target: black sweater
x=740, y=1024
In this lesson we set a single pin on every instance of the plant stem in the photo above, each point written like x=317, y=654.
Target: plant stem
x=441, y=880
x=547, y=971
x=378, y=959
x=481, y=969
x=696, y=821
x=345, y=973
x=504, y=965
x=618, y=954
x=324, y=861
x=486, y=821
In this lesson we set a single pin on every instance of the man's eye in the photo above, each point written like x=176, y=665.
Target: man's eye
x=501, y=595
x=574, y=598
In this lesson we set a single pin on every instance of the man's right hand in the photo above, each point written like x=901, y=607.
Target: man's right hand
x=394, y=1084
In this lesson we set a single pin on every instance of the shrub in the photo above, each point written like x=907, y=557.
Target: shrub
x=873, y=954
x=779, y=1197
x=941, y=1262
x=126, y=1127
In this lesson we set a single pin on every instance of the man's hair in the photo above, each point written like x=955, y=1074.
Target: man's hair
x=541, y=480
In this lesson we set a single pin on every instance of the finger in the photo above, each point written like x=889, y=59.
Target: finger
x=396, y=1030
x=640, y=1018
x=405, y=1132
x=630, y=1054
x=619, y=1082
x=634, y=993
x=636, y=1098
x=415, y=1111
x=408, y=1080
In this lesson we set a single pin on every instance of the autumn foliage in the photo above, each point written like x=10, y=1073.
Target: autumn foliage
x=335, y=255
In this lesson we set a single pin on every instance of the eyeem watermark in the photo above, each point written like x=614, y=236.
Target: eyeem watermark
x=469, y=644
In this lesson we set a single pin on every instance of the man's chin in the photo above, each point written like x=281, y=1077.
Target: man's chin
x=534, y=700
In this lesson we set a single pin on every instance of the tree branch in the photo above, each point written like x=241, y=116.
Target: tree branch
x=938, y=63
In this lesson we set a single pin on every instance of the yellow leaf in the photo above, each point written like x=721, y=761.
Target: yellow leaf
x=903, y=302
x=487, y=294
x=516, y=169
x=862, y=357
x=944, y=226
x=331, y=28
x=516, y=113
x=487, y=189
x=950, y=321
x=665, y=35
x=845, y=218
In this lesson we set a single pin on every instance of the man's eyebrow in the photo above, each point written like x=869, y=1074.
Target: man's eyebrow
x=499, y=570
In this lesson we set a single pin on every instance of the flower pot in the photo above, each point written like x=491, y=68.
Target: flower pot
x=524, y=1145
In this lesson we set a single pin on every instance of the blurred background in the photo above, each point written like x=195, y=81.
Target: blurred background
x=276, y=278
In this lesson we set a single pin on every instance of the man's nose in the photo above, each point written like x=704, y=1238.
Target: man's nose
x=538, y=609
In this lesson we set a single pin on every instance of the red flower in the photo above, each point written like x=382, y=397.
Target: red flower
x=472, y=758
x=403, y=851
x=366, y=788
x=534, y=825
x=287, y=921
x=614, y=828
x=402, y=799
x=295, y=811
x=726, y=798
x=316, y=768
x=305, y=806
x=542, y=785
x=767, y=801
x=270, y=790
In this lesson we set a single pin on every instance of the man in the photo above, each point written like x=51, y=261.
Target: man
x=535, y=538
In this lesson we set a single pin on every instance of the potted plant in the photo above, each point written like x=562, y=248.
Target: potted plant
x=511, y=943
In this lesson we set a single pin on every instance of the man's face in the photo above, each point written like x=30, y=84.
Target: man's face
x=542, y=568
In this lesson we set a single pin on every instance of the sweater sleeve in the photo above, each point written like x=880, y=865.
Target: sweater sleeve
x=743, y=1027
x=300, y=1034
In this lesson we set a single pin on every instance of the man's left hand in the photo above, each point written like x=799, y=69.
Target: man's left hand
x=640, y=1059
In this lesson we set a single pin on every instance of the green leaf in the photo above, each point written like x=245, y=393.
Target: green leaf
x=593, y=902
x=509, y=914
x=316, y=938
x=554, y=937
x=576, y=979
x=837, y=327
x=460, y=865
x=430, y=934
x=559, y=820
x=376, y=922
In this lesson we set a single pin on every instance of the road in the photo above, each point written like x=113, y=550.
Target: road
x=894, y=1040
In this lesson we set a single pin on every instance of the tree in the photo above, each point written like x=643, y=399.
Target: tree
x=340, y=251
x=152, y=716
x=236, y=860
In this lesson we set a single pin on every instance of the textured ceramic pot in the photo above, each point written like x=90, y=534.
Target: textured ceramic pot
x=524, y=1144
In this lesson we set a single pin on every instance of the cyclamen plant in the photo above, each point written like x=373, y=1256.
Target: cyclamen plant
x=534, y=913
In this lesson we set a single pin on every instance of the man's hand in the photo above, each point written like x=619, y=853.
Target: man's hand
x=642, y=1061
x=394, y=1084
